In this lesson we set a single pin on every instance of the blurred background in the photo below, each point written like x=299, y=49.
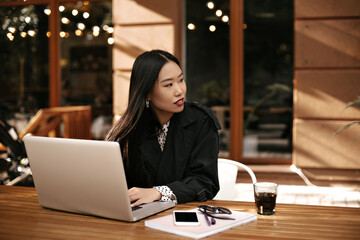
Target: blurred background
x=277, y=73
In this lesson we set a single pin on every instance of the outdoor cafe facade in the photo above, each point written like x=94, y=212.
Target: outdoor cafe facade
x=278, y=74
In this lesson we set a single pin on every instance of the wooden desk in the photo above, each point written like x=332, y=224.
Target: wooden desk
x=21, y=217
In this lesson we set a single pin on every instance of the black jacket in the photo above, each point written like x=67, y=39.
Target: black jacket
x=188, y=164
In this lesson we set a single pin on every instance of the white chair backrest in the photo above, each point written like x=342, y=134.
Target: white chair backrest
x=227, y=170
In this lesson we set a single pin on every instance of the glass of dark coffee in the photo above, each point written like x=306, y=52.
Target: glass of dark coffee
x=265, y=197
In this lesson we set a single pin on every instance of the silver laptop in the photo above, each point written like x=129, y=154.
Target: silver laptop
x=84, y=176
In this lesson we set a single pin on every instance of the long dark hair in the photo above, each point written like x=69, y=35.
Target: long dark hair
x=139, y=122
x=144, y=74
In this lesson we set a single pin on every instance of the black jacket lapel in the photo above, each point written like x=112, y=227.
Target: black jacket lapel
x=151, y=152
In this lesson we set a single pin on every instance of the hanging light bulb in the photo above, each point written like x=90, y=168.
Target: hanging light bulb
x=110, y=41
x=47, y=11
x=78, y=32
x=96, y=31
x=74, y=12
x=212, y=28
x=86, y=15
x=65, y=20
x=210, y=5
x=31, y=33
x=81, y=26
x=110, y=30
x=218, y=13
x=191, y=26
x=225, y=18
x=12, y=29
x=10, y=36
x=61, y=8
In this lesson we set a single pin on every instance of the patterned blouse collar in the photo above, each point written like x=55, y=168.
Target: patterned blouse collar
x=163, y=134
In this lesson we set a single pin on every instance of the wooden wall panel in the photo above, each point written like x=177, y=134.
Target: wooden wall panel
x=326, y=77
x=315, y=147
x=121, y=84
x=324, y=94
x=327, y=43
x=146, y=12
x=130, y=41
x=141, y=25
x=326, y=8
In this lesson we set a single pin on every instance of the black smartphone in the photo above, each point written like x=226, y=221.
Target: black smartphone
x=185, y=218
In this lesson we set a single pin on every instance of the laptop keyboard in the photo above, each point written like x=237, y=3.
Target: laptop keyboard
x=135, y=208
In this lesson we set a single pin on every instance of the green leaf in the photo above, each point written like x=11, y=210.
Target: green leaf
x=346, y=126
x=355, y=103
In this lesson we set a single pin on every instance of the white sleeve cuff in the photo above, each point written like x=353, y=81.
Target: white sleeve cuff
x=167, y=194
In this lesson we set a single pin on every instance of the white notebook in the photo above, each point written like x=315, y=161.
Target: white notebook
x=166, y=224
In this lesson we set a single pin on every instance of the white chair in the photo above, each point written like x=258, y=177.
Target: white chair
x=227, y=170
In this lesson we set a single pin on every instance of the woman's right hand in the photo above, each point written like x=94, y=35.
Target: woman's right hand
x=143, y=195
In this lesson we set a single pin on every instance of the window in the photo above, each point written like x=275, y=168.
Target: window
x=24, y=73
x=207, y=60
x=268, y=74
x=85, y=59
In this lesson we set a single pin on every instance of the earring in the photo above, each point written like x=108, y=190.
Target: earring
x=147, y=103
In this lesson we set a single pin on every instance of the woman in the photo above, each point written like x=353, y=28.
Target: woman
x=169, y=147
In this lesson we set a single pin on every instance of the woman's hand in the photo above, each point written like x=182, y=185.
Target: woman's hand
x=143, y=195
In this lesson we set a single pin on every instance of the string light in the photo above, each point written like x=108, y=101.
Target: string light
x=110, y=41
x=31, y=33
x=210, y=5
x=78, y=32
x=86, y=15
x=191, y=26
x=65, y=20
x=212, y=28
x=218, y=13
x=12, y=29
x=10, y=36
x=110, y=30
x=225, y=18
x=96, y=31
x=74, y=12
x=47, y=11
x=105, y=27
x=81, y=26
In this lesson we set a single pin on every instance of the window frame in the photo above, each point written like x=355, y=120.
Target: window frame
x=237, y=89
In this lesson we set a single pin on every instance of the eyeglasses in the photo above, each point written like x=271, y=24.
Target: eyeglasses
x=211, y=211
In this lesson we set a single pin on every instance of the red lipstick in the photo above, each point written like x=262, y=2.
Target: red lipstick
x=180, y=102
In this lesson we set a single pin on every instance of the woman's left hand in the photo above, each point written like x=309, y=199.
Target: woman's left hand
x=143, y=195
